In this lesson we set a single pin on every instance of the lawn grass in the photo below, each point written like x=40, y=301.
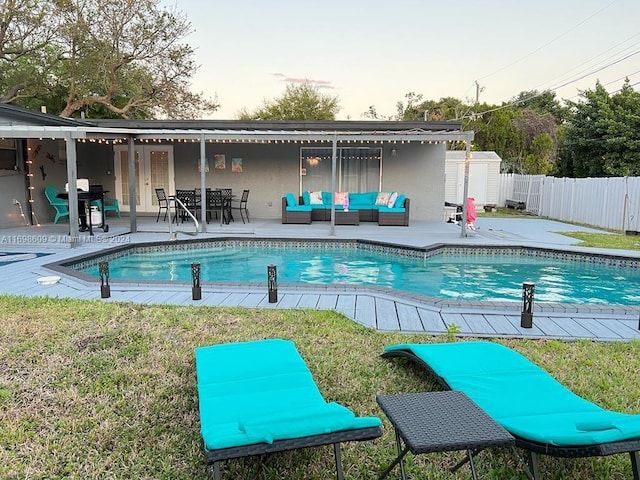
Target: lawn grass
x=614, y=240
x=606, y=240
x=95, y=390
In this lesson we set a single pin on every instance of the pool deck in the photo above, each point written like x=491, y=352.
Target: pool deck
x=373, y=307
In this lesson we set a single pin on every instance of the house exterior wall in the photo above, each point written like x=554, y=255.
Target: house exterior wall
x=417, y=171
x=12, y=186
x=49, y=168
x=269, y=171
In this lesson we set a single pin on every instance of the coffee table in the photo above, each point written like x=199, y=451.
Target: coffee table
x=349, y=217
x=430, y=422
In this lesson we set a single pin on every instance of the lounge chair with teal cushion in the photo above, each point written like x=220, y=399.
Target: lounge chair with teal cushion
x=543, y=415
x=259, y=397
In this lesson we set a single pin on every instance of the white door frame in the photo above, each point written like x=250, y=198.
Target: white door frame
x=144, y=187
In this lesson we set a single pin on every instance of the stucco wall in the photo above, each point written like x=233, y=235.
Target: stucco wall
x=49, y=167
x=12, y=186
x=268, y=171
x=417, y=171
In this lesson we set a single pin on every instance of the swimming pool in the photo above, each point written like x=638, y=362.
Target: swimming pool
x=450, y=272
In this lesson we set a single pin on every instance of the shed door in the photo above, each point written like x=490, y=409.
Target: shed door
x=478, y=178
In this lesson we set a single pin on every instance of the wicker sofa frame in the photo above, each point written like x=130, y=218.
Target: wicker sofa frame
x=295, y=216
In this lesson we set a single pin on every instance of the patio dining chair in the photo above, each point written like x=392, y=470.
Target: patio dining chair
x=216, y=203
x=163, y=203
x=190, y=202
x=241, y=205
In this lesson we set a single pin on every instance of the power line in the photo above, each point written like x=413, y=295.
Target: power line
x=509, y=105
x=597, y=56
x=551, y=41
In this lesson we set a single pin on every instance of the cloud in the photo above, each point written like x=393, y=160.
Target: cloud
x=316, y=83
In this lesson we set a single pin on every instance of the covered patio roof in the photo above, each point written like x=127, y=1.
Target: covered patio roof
x=16, y=122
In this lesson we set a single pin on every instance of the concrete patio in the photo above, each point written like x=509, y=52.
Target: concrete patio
x=376, y=308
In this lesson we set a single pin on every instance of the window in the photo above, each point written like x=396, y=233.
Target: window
x=8, y=154
x=357, y=169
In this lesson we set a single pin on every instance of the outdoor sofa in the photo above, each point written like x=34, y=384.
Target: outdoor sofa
x=385, y=208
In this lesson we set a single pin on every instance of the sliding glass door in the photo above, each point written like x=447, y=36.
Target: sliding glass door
x=358, y=169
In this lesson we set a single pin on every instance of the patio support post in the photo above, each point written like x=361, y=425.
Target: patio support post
x=131, y=164
x=465, y=194
x=334, y=160
x=72, y=179
x=203, y=184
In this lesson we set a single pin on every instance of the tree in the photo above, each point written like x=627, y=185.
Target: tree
x=302, y=101
x=603, y=136
x=447, y=108
x=541, y=103
x=120, y=58
x=27, y=28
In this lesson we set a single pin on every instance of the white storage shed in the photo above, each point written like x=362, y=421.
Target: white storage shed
x=484, y=177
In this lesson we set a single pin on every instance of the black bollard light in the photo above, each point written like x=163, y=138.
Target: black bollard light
x=526, y=318
x=196, y=291
x=105, y=289
x=272, y=283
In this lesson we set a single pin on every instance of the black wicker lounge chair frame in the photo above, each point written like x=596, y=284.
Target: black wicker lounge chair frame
x=216, y=456
x=632, y=447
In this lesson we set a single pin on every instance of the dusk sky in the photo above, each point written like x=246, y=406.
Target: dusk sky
x=373, y=52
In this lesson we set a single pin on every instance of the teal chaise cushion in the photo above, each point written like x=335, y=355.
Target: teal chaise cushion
x=262, y=391
x=522, y=397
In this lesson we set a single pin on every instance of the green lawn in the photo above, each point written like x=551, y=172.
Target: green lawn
x=615, y=240
x=95, y=390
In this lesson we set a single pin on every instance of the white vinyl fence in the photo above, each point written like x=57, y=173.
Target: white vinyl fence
x=611, y=203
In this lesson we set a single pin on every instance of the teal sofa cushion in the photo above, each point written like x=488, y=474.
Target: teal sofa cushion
x=326, y=198
x=400, y=201
x=366, y=199
x=525, y=399
x=391, y=210
x=306, y=198
x=299, y=208
x=291, y=200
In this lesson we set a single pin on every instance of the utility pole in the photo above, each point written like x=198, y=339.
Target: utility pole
x=479, y=90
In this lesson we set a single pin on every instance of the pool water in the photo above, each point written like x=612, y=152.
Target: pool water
x=461, y=277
